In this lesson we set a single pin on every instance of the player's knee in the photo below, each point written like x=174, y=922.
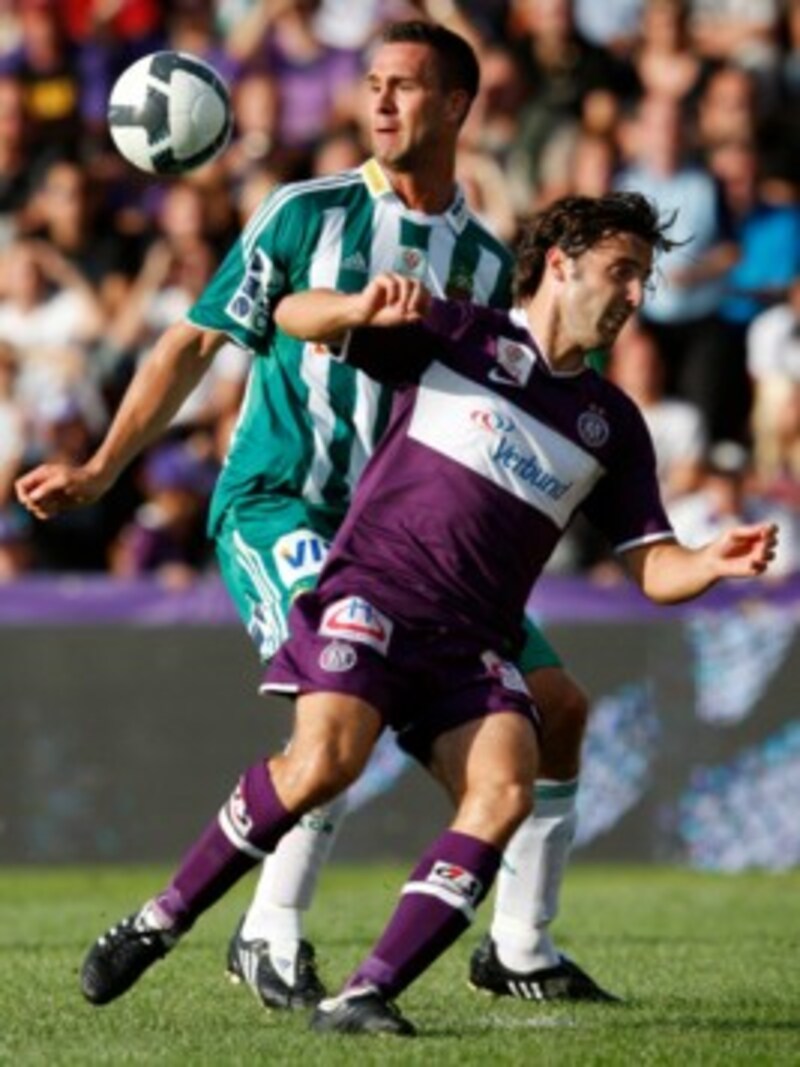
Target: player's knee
x=575, y=709
x=562, y=704
x=496, y=809
x=318, y=775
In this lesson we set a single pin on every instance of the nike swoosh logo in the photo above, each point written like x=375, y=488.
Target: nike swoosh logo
x=496, y=375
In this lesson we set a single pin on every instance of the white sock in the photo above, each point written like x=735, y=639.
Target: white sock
x=530, y=878
x=289, y=878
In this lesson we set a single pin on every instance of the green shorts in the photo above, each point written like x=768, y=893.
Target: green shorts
x=269, y=553
x=537, y=652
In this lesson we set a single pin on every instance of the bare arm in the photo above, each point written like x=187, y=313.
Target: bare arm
x=325, y=315
x=669, y=573
x=159, y=387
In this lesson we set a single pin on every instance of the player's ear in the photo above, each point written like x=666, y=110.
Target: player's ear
x=556, y=259
x=456, y=106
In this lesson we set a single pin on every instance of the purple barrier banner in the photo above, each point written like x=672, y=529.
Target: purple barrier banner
x=90, y=600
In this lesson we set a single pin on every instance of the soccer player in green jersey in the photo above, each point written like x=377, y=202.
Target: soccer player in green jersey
x=306, y=428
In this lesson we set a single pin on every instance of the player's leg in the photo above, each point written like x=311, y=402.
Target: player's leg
x=266, y=560
x=331, y=742
x=518, y=956
x=486, y=766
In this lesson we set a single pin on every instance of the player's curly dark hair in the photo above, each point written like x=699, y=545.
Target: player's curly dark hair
x=457, y=61
x=576, y=223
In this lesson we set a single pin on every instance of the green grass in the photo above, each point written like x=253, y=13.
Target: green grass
x=709, y=967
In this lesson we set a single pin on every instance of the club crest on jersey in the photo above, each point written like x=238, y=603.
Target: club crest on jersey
x=338, y=657
x=250, y=304
x=354, y=619
x=593, y=428
x=455, y=878
x=515, y=360
x=411, y=262
x=506, y=673
x=299, y=554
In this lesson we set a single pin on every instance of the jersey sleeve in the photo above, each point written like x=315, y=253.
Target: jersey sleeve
x=240, y=298
x=399, y=355
x=394, y=356
x=626, y=504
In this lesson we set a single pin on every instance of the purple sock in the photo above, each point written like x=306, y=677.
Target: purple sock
x=436, y=906
x=249, y=825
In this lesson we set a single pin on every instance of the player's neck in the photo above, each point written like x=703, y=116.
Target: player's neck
x=430, y=192
x=561, y=352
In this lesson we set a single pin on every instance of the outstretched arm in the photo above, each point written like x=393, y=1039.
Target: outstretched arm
x=669, y=573
x=325, y=315
x=159, y=387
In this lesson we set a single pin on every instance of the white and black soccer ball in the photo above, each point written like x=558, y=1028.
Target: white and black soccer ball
x=169, y=113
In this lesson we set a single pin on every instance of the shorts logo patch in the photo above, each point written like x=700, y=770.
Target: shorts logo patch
x=338, y=657
x=238, y=814
x=356, y=620
x=456, y=879
x=506, y=673
x=299, y=555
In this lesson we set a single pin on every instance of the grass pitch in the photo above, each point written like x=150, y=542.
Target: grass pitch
x=708, y=965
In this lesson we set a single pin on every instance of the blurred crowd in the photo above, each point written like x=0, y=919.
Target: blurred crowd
x=693, y=102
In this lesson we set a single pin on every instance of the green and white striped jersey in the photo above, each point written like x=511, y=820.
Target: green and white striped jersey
x=309, y=423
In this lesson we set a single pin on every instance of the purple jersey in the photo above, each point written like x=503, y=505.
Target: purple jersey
x=488, y=456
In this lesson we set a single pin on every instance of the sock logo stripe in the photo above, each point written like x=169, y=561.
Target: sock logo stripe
x=447, y=896
x=228, y=828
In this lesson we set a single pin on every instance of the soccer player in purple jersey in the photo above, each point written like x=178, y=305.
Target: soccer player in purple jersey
x=498, y=436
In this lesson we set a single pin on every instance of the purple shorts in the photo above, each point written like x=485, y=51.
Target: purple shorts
x=422, y=683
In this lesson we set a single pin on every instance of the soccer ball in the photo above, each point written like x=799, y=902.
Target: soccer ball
x=169, y=113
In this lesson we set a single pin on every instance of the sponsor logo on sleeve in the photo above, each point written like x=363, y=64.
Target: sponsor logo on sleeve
x=299, y=555
x=453, y=877
x=250, y=304
x=354, y=619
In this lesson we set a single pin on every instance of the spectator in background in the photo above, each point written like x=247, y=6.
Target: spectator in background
x=191, y=27
x=312, y=79
x=727, y=496
x=50, y=314
x=744, y=32
x=665, y=61
x=773, y=360
x=610, y=26
x=48, y=66
x=64, y=433
x=17, y=553
x=166, y=536
x=66, y=210
x=561, y=69
x=684, y=311
x=679, y=434
x=12, y=424
x=339, y=151
x=172, y=277
x=767, y=230
x=19, y=164
x=255, y=111
x=728, y=108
